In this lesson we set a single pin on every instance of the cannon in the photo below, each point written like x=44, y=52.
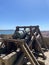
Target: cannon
x=26, y=39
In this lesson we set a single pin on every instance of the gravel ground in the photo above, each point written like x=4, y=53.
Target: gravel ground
x=47, y=60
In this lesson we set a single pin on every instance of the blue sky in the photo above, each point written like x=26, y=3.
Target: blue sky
x=24, y=12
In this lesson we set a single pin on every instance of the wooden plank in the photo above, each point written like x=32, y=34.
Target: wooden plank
x=9, y=59
x=42, y=38
x=27, y=26
x=20, y=60
x=41, y=49
x=29, y=54
x=12, y=40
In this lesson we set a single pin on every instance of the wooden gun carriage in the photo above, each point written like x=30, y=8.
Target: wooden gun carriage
x=30, y=42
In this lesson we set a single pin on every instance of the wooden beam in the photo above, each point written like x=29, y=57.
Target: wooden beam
x=25, y=26
x=29, y=54
x=42, y=38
